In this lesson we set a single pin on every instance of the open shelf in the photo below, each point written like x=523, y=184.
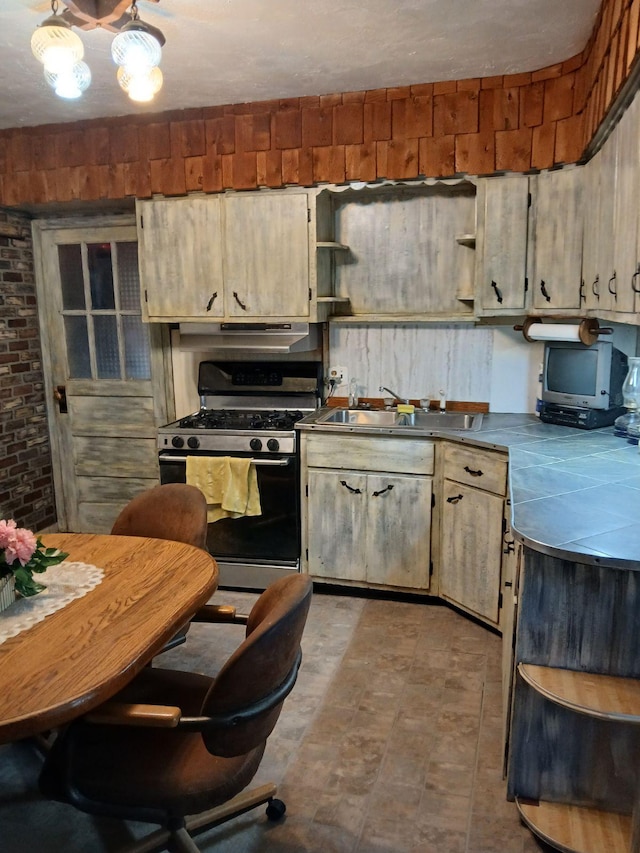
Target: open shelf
x=466, y=240
x=575, y=829
x=327, y=244
x=605, y=696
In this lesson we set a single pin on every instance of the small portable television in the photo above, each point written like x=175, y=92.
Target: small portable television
x=582, y=385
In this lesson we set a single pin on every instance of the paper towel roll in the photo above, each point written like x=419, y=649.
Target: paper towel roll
x=554, y=332
x=585, y=332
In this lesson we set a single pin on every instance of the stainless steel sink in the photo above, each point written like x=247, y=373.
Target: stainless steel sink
x=442, y=420
x=390, y=418
x=360, y=417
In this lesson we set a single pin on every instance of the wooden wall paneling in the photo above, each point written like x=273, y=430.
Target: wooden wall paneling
x=455, y=113
x=475, y=153
x=437, y=156
x=558, y=97
x=193, y=173
x=506, y=105
x=543, y=146
x=287, y=129
x=348, y=124
x=253, y=132
x=192, y=138
x=531, y=105
x=632, y=42
x=513, y=149
x=297, y=166
x=329, y=164
x=317, y=127
x=419, y=116
x=269, y=168
x=377, y=121
x=569, y=139
x=401, y=157
x=212, y=172
x=360, y=162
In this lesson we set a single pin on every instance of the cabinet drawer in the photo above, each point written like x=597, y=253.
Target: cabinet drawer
x=368, y=453
x=479, y=468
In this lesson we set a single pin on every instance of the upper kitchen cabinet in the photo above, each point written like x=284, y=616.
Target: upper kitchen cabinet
x=180, y=258
x=237, y=257
x=501, y=245
x=555, y=239
x=411, y=251
x=626, y=213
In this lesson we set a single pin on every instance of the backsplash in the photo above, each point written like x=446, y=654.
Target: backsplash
x=483, y=364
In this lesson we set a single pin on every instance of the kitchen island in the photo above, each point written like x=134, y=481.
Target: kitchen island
x=571, y=624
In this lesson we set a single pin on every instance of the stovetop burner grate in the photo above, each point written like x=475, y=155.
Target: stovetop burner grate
x=234, y=419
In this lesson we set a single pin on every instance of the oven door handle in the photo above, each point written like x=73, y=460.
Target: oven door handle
x=278, y=463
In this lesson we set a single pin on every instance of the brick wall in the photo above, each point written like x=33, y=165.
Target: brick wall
x=26, y=484
x=517, y=123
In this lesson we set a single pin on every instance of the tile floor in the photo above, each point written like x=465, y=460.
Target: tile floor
x=390, y=742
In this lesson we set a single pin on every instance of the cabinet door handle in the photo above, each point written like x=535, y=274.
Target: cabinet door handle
x=454, y=499
x=509, y=549
x=612, y=290
x=633, y=280
x=581, y=295
x=214, y=296
x=497, y=290
x=351, y=489
x=382, y=491
x=543, y=290
x=239, y=301
x=476, y=473
x=595, y=287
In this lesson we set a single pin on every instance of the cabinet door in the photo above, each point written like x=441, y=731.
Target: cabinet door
x=398, y=544
x=626, y=216
x=503, y=209
x=180, y=258
x=336, y=519
x=266, y=262
x=557, y=222
x=471, y=549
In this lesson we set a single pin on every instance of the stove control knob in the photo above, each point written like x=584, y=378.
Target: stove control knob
x=193, y=442
x=177, y=441
x=255, y=444
x=273, y=444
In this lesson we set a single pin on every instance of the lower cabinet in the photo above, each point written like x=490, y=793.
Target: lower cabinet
x=472, y=528
x=367, y=515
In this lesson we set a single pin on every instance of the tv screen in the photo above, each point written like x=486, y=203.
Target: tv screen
x=572, y=371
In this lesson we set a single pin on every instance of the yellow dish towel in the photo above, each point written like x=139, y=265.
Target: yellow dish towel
x=229, y=484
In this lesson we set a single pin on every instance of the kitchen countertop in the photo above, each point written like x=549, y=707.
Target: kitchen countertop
x=575, y=494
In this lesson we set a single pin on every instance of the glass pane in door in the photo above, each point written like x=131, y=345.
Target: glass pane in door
x=71, y=276
x=78, y=356
x=106, y=347
x=136, y=348
x=128, y=276
x=100, y=275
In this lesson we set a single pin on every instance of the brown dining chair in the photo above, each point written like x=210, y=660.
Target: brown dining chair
x=175, y=744
x=173, y=511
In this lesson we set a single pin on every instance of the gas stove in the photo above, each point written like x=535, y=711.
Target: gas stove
x=246, y=408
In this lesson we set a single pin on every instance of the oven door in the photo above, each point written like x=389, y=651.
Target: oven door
x=252, y=551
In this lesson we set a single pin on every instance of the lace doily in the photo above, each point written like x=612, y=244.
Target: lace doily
x=64, y=583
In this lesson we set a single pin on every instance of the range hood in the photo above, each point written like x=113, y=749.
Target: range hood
x=250, y=337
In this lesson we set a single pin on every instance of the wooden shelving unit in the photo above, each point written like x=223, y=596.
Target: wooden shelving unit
x=574, y=829
x=571, y=828
x=328, y=244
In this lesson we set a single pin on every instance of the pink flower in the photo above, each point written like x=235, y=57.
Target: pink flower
x=18, y=543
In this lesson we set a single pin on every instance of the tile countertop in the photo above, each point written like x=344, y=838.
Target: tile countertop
x=575, y=493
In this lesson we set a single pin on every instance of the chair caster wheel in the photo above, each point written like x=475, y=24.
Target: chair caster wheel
x=276, y=809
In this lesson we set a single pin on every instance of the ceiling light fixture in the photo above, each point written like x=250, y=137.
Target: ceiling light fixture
x=136, y=49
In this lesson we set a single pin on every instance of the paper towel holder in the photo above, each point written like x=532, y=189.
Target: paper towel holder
x=586, y=331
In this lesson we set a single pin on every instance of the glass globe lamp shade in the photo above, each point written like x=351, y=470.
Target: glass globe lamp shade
x=136, y=49
x=141, y=87
x=56, y=46
x=630, y=422
x=71, y=83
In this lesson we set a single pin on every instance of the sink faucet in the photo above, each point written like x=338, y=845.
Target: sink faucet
x=393, y=394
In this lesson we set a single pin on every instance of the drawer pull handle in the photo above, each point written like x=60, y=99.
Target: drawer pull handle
x=382, y=491
x=351, y=489
x=454, y=499
x=477, y=473
x=214, y=296
x=595, y=287
x=612, y=290
x=633, y=280
x=543, y=291
x=497, y=291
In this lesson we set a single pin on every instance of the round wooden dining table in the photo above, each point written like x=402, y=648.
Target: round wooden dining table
x=81, y=655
